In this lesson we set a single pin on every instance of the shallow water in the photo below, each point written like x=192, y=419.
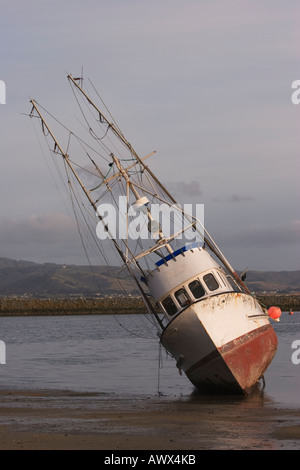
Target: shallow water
x=119, y=356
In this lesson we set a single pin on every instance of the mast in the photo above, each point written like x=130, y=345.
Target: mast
x=207, y=238
x=124, y=173
x=92, y=203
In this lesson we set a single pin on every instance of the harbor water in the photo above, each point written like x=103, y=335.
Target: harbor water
x=120, y=356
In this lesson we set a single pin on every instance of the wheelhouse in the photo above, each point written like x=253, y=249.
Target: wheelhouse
x=199, y=277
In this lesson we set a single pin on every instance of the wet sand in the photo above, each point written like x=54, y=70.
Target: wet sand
x=66, y=420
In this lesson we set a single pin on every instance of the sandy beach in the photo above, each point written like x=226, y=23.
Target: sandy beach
x=66, y=420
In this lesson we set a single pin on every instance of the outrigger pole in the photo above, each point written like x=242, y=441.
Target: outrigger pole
x=123, y=257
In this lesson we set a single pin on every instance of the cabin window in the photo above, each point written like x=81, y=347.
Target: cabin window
x=196, y=289
x=182, y=297
x=210, y=281
x=169, y=306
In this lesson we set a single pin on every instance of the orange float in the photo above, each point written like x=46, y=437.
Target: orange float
x=274, y=313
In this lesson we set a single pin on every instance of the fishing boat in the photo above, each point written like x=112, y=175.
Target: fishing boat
x=205, y=316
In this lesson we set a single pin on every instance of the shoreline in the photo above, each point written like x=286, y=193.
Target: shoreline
x=16, y=306
x=54, y=420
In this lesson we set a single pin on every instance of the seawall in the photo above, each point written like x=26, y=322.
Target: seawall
x=12, y=306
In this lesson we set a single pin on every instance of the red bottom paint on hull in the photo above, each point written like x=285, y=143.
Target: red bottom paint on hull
x=249, y=356
x=237, y=366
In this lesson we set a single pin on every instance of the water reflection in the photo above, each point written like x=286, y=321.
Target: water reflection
x=96, y=354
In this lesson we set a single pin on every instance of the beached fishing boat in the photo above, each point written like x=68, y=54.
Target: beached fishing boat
x=205, y=316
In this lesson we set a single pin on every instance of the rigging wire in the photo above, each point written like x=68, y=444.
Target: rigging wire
x=92, y=132
x=54, y=160
x=103, y=180
x=69, y=131
x=79, y=205
x=114, y=121
x=83, y=143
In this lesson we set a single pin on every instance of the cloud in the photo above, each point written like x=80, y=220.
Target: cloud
x=52, y=237
x=180, y=188
x=236, y=198
x=207, y=84
x=42, y=238
x=266, y=236
x=41, y=229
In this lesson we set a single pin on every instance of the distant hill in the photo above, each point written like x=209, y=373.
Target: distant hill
x=282, y=282
x=34, y=279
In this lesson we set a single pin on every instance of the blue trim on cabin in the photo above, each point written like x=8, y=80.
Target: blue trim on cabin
x=176, y=253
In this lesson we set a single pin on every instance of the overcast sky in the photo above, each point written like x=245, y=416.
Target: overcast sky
x=206, y=83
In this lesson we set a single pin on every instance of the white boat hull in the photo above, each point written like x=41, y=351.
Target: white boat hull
x=224, y=342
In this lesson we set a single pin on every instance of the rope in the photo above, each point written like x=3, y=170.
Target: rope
x=96, y=187
x=160, y=366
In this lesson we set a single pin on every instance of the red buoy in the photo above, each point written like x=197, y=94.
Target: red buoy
x=274, y=313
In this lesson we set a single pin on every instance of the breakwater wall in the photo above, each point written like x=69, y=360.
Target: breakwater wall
x=71, y=306
x=10, y=306
x=285, y=302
